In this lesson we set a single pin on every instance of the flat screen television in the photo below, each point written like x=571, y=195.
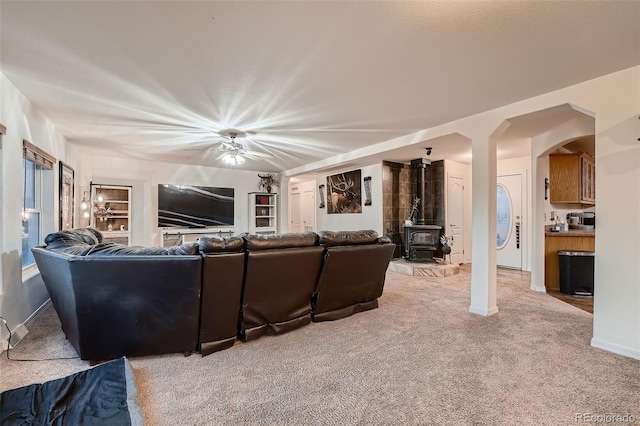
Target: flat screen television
x=188, y=206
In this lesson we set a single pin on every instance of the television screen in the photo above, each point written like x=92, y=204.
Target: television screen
x=187, y=206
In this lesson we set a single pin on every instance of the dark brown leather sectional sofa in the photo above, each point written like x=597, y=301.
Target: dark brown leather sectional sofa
x=115, y=300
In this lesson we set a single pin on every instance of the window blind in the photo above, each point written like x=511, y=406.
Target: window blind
x=36, y=155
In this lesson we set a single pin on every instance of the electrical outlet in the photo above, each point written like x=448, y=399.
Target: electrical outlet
x=545, y=217
x=16, y=335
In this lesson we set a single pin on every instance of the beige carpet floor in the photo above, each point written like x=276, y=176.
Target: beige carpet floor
x=420, y=359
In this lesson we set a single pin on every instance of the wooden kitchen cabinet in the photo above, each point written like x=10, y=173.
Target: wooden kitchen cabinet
x=570, y=241
x=572, y=178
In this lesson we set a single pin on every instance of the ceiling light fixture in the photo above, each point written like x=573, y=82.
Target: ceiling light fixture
x=235, y=151
x=84, y=205
x=100, y=209
x=233, y=158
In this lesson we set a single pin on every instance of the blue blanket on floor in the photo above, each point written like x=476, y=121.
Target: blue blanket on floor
x=103, y=395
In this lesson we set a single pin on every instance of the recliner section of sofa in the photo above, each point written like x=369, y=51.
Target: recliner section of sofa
x=222, y=275
x=353, y=273
x=115, y=300
x=281, y=272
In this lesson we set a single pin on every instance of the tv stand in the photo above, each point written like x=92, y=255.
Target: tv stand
x=176, y=237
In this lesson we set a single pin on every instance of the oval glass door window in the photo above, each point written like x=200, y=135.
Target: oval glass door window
x=503, y=216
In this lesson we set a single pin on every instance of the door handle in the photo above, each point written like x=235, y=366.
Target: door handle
x=517, y=235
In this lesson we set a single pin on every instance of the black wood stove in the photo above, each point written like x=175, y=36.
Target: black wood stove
x=422, y=242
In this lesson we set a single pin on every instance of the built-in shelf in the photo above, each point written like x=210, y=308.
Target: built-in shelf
x=263, y=213
x=114, y=200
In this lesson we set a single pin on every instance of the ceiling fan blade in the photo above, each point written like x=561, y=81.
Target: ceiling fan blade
x=258, y=154
x=226, y=146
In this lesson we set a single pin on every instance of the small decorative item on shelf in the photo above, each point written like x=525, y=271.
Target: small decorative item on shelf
x=99, y=210
x=414, y=210
x=267, y=182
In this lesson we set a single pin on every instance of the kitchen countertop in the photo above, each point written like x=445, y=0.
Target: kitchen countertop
x=571, y=233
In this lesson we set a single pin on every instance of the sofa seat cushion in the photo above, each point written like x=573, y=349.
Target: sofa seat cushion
x=280, y=241
x=345, y=238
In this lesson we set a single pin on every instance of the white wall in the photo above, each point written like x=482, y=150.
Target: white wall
x=144, y=176
x=21, y=296
x=616, y=325
x=371, y=216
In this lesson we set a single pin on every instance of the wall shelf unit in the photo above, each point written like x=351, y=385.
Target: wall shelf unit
x=263, y=213
x=111, y=212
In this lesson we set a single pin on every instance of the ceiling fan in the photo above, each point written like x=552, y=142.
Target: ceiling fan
x=234, y=151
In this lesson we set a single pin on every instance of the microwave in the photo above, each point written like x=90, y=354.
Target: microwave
x=580, y=220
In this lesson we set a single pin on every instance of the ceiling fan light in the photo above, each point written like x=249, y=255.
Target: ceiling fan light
x=232, y=158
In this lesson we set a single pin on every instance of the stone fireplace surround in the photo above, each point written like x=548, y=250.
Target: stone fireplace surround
x=398, y=187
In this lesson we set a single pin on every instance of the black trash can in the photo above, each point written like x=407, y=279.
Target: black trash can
x=576, y=272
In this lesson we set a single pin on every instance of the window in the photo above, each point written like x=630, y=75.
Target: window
x=32, y=214
x=37, y=166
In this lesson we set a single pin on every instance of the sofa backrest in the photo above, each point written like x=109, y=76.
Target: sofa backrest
x=115, y=249
x=66, y=237
x=88, y=242
x=347, y=238
x=280, y=241
x=212, y=244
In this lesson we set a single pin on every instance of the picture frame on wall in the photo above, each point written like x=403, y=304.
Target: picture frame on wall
x=66, y=191
x=344, y=192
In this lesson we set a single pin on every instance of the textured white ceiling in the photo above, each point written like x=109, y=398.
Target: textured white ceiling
x=307, y=80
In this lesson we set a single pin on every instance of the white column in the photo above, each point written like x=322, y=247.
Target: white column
x=483, y=246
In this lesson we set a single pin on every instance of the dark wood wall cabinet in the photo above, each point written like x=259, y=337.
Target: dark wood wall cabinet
x=572, y=178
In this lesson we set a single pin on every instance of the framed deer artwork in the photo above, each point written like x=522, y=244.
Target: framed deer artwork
x=344, y=192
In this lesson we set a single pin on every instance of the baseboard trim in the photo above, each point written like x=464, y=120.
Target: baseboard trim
x=22, y=329
x=542, y=289
x=483, y=311
x=34, y=316
x=616, y=349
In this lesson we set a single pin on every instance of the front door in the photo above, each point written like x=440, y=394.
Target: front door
x=455, y=217
x=509, y=225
